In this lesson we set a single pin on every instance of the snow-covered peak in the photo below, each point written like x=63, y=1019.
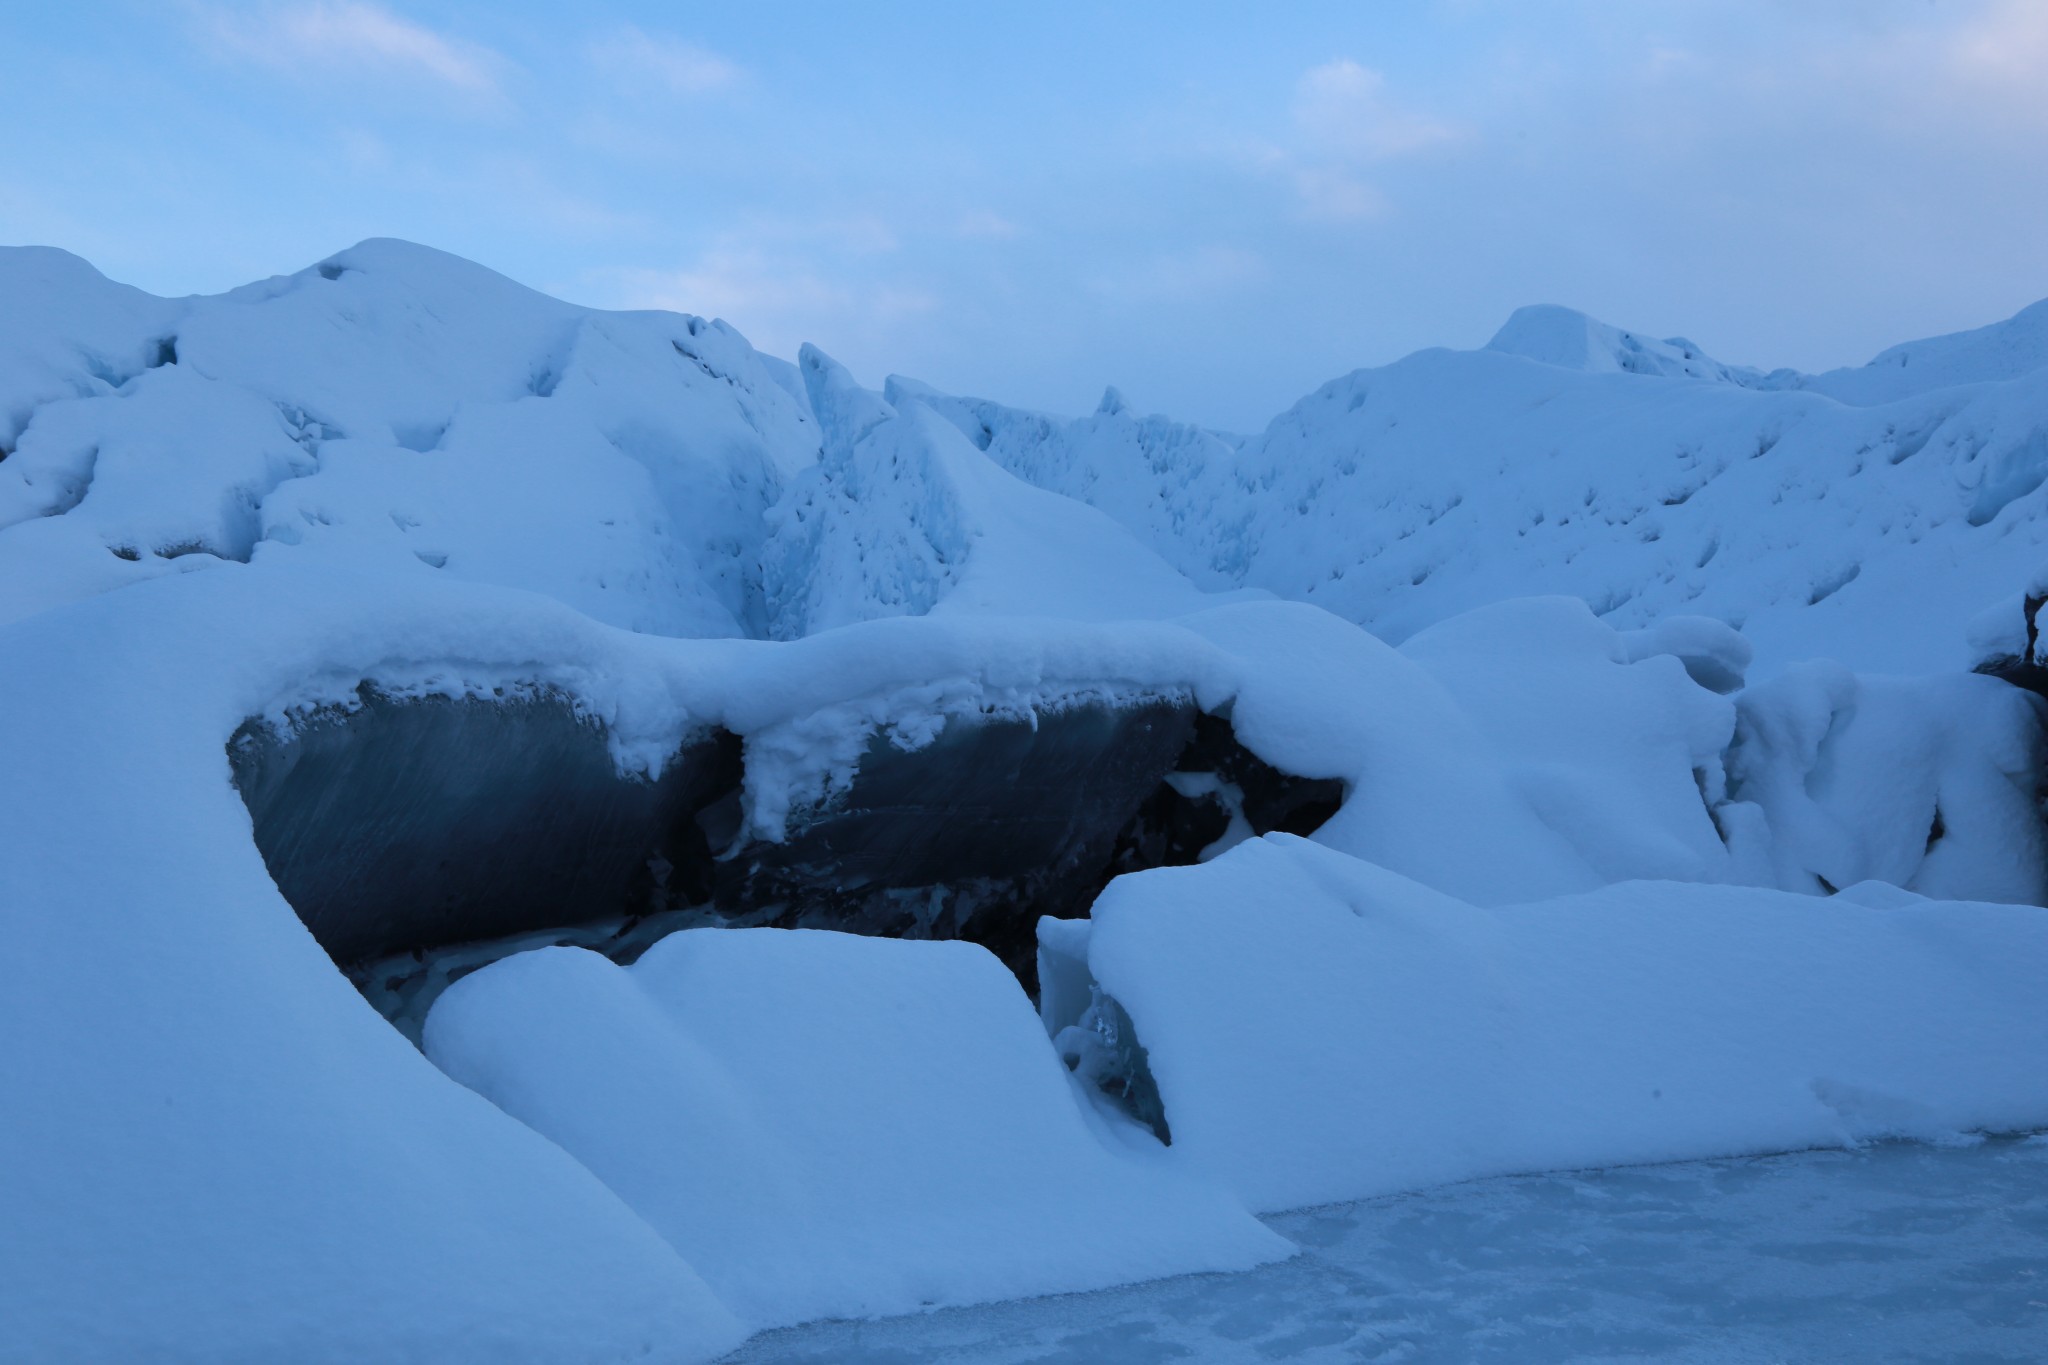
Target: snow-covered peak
x=1570, y=339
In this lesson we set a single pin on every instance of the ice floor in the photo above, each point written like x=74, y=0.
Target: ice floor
x=1896, y=1252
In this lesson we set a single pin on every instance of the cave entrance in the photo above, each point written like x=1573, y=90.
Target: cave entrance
x=421, y=838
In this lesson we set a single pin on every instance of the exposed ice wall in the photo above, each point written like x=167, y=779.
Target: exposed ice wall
x=903, y=516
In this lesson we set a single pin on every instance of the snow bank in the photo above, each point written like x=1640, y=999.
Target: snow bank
x=396, y=468
x=1321, y=1029
x=213, y=1147
x=829, y=1126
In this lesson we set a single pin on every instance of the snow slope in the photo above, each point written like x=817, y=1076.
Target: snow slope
x=396, y=406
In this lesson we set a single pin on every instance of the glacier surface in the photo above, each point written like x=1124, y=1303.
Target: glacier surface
x=1559, y=754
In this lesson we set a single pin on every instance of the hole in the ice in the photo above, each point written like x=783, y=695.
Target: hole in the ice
x=1936, y=830
x=163, y=352
x=330, y=270
x=1102, y=1048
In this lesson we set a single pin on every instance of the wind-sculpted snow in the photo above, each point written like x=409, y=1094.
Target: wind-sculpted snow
x=1319, y=1029
x=2013, y=349
x=830, y=1126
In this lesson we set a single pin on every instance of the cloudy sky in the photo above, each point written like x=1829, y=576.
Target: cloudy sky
x=1214, y=206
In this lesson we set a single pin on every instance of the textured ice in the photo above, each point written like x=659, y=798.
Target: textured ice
x=1890, y=1253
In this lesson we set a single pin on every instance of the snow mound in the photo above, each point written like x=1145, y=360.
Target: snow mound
x=1320, y=1029
x=1930, y=784
x=830, y=1126
x=1551, y=923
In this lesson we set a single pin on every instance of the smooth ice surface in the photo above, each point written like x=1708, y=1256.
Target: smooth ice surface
x=1887, y=1254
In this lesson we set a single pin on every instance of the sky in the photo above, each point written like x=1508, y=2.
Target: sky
x=1215, y=207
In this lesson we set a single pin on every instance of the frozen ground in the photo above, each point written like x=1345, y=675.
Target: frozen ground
x=1891, y=1252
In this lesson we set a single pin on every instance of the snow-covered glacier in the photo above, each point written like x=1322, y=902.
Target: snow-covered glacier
x=545, y=834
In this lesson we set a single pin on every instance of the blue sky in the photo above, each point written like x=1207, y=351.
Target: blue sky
x=1215, y=207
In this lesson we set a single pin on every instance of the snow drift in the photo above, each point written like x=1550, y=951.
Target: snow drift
x=1320, y=1029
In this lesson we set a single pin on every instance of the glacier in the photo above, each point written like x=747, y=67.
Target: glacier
x=548, y=834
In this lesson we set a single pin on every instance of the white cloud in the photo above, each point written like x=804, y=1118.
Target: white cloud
x=1344, y=124
x=1343, y=109
x=1335, y=194
x=2001, y=56
x=679, y=67
x=325, y=34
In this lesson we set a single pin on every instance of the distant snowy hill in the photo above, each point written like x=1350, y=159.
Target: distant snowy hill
x=392, y=405
x=1852, y=515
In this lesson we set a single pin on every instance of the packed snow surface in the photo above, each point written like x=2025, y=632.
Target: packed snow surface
x=1713, y=849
